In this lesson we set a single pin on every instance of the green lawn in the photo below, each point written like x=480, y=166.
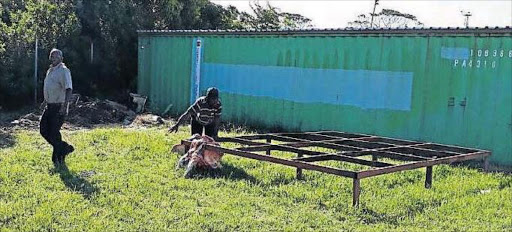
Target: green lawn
x=125, y=180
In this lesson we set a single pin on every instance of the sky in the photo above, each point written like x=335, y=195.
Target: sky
x=433, y=13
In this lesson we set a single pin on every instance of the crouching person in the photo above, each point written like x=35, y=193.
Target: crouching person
x=205, y=114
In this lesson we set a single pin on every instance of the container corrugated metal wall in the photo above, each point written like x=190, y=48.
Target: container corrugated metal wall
x=164, y=62
x=446, y=87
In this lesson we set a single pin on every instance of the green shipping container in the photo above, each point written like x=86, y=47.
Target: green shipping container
x=451, y=86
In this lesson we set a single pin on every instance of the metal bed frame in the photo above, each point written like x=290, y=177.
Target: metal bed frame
x=349, y=148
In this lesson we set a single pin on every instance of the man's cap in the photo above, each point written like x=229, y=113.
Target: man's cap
x=56, y=50
x=212, y=92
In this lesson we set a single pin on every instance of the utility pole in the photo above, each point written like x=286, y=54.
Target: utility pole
x=35, y=72
x=92, y=51
x=466, y=14
x=373, y=13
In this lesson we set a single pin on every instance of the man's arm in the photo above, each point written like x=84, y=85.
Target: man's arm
x=184, y=117
x=43, y=105
x=69, y=92
x=64, y=107
x=68, y=84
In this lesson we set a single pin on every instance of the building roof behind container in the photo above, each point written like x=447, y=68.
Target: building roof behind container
x=341, y=31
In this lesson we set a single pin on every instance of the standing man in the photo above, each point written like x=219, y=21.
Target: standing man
x=57, y=94
x=205, y=114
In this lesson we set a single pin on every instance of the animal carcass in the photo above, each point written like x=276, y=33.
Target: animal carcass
x=198, y=157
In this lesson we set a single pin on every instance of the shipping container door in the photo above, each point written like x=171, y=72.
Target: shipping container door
x=488, y=115
x=444, y=92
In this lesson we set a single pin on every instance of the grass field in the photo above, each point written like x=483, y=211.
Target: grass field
x=125, y=180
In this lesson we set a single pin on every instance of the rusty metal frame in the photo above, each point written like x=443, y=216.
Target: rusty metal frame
x=350, y=147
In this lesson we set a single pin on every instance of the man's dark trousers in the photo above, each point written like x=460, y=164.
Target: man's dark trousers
x=49, y=127
x=209, y=129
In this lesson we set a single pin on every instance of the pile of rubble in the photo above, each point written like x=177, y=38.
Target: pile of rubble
x=148, y=120
x=27, y=121
x=93, y=112
x=87, y=112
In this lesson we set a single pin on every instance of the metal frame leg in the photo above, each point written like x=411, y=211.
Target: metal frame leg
x=355, y=192
x=299, y=170
x=428, y=178
x=486, y=164
x=269, y=141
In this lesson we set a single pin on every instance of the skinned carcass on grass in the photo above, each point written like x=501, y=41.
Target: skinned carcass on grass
x=198, y=157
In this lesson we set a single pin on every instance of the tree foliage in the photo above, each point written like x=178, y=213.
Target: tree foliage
x=50, y=22
x=109, y=29
x=270, y=17
x=387, y=18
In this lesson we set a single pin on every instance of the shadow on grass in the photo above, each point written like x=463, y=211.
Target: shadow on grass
x=410, y=210
x=369, y=216
x=6, y=139
x=227, y=171
x=75, y=183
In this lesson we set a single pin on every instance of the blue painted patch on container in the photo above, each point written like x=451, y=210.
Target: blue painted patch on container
x=454, y=53
x=366, y=89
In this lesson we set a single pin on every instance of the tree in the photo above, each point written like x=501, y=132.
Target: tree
x=3, y=32
x=8, y=6
x=295, y=21
x=50, y=22
x=271, y=17
x=215, y=16
x=264, y=17
x=387, y=18
x=110, y=28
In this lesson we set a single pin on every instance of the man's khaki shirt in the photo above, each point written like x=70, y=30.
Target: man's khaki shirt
x=58, y=79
